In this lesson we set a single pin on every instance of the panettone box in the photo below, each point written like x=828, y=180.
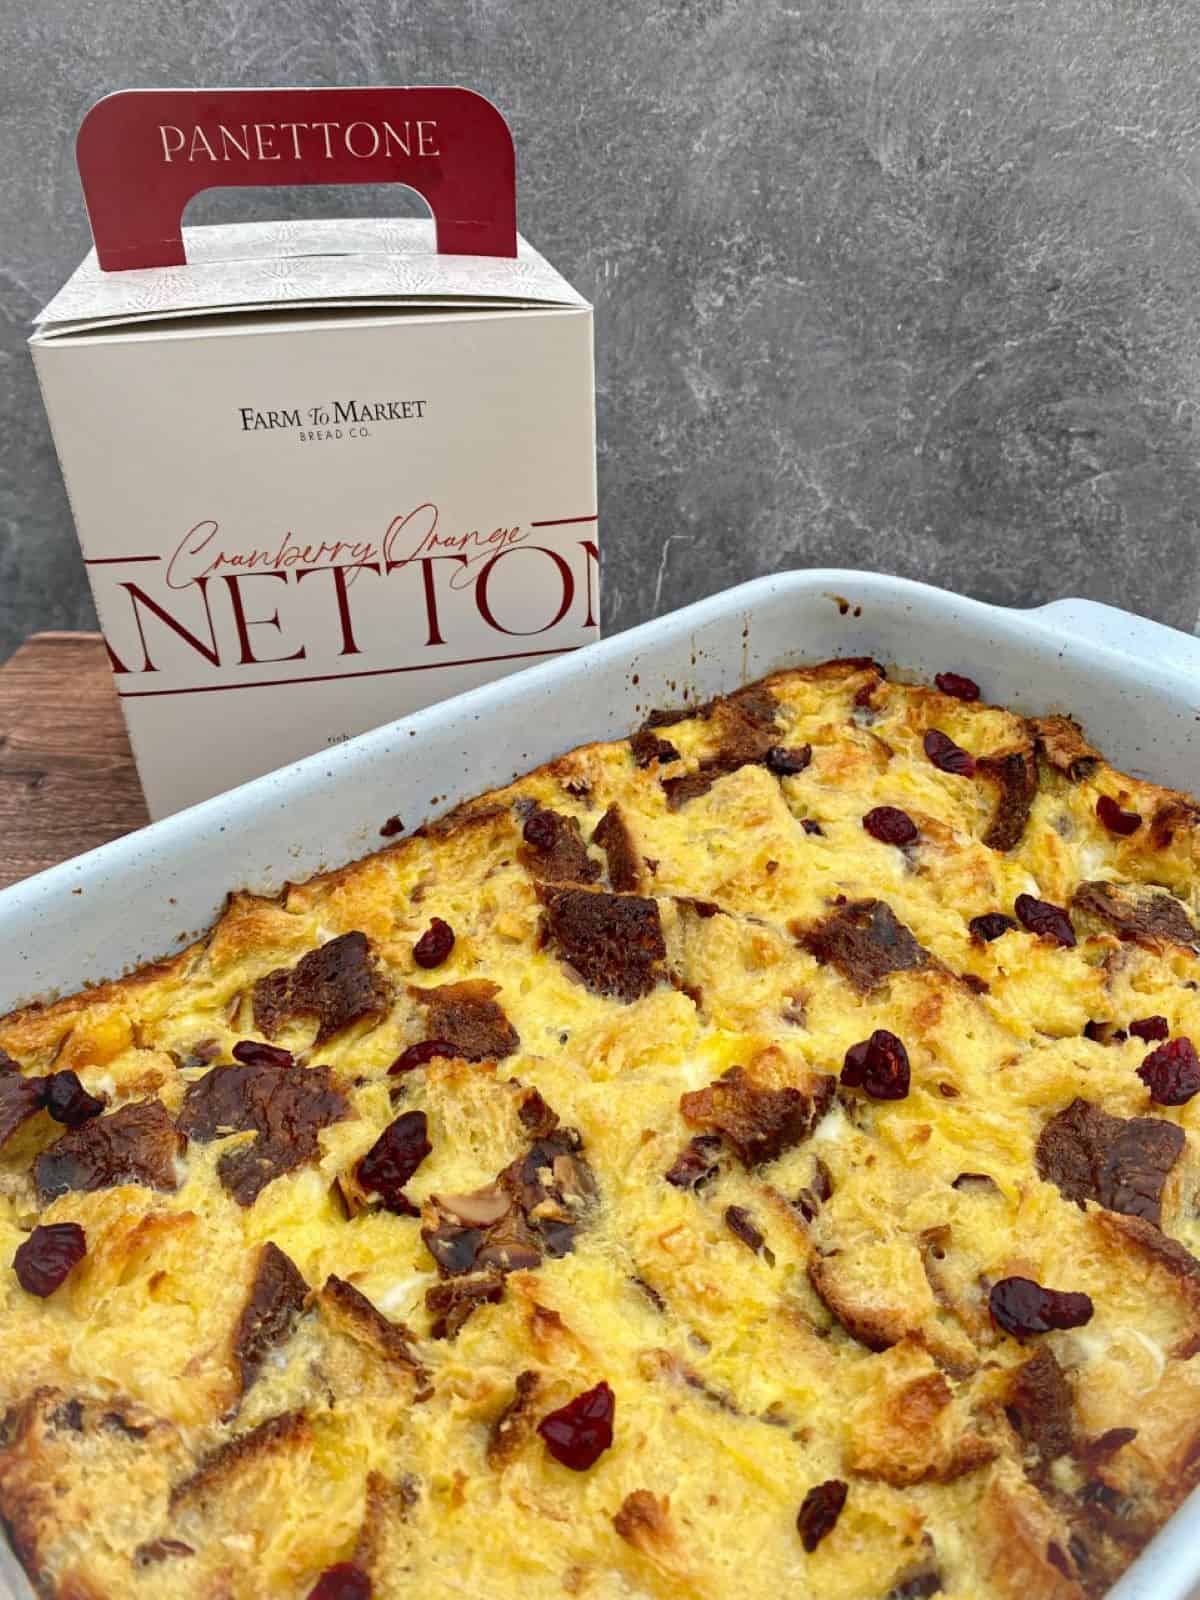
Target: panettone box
x=323, y=473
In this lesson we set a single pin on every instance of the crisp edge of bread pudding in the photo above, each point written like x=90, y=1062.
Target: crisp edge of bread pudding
x=760, y=1152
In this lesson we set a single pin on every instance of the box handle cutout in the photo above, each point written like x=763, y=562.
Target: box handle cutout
x=144, y=153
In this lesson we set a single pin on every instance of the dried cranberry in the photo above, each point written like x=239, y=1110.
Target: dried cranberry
x=810, y=826
x=435, y=944
x=420, y=1055
x=879, y=1065
x=953, y=683
x=819, y=1511
x=890, y=825
x=1172, y=1073
x=990, y=926
x=785, y=762
x=1021, y=1307
x=541, y=830
x=1048, y=921
x=1150, y=1028
x=854, y=1064
x=43, y=1260
x=947, y=756
x=342, y=1582
x=254, y=1053
x=68, y=1101
x=1114, y=818
x=579, y=1433
x=393, y=1158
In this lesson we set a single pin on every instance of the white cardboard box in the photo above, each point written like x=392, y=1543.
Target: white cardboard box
x=322, y=476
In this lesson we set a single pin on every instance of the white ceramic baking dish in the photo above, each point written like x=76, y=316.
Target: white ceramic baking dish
x=1134, y=684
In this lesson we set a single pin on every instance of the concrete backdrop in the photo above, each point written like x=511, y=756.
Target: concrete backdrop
x=904, y=284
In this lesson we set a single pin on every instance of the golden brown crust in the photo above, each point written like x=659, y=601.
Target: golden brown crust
x=1024, y=1545
x=277, y=1296
x=514, y=1426
x=34, y=1028
x=469, y=1017
x=761, y=1110
x=644, y=1523
x=349, y=1310
x=1060, y=741
x=61, y=1458
x=218, y=1474
x=387, y=1508
x=1015, y=775
x=866, y=942
x=625, y=874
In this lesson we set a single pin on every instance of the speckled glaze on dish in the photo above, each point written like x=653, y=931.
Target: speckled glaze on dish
x=1135, y=686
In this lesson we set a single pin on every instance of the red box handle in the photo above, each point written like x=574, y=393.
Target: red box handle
x=144, y=153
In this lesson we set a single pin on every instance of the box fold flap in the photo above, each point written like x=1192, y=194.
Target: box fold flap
x=240, y=267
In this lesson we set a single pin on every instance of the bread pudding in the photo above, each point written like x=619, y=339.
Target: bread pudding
x=755, y=1157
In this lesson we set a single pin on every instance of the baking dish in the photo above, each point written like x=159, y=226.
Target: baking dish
x=1131, y=682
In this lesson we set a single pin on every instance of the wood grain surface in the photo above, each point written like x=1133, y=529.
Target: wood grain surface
x=67, y=779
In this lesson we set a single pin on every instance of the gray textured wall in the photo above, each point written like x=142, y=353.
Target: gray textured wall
x=903, y=284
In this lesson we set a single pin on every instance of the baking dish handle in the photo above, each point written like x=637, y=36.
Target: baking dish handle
x=144, y=153
x=1123, y=631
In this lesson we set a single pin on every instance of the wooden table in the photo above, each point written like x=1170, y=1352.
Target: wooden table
x=67, y=779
